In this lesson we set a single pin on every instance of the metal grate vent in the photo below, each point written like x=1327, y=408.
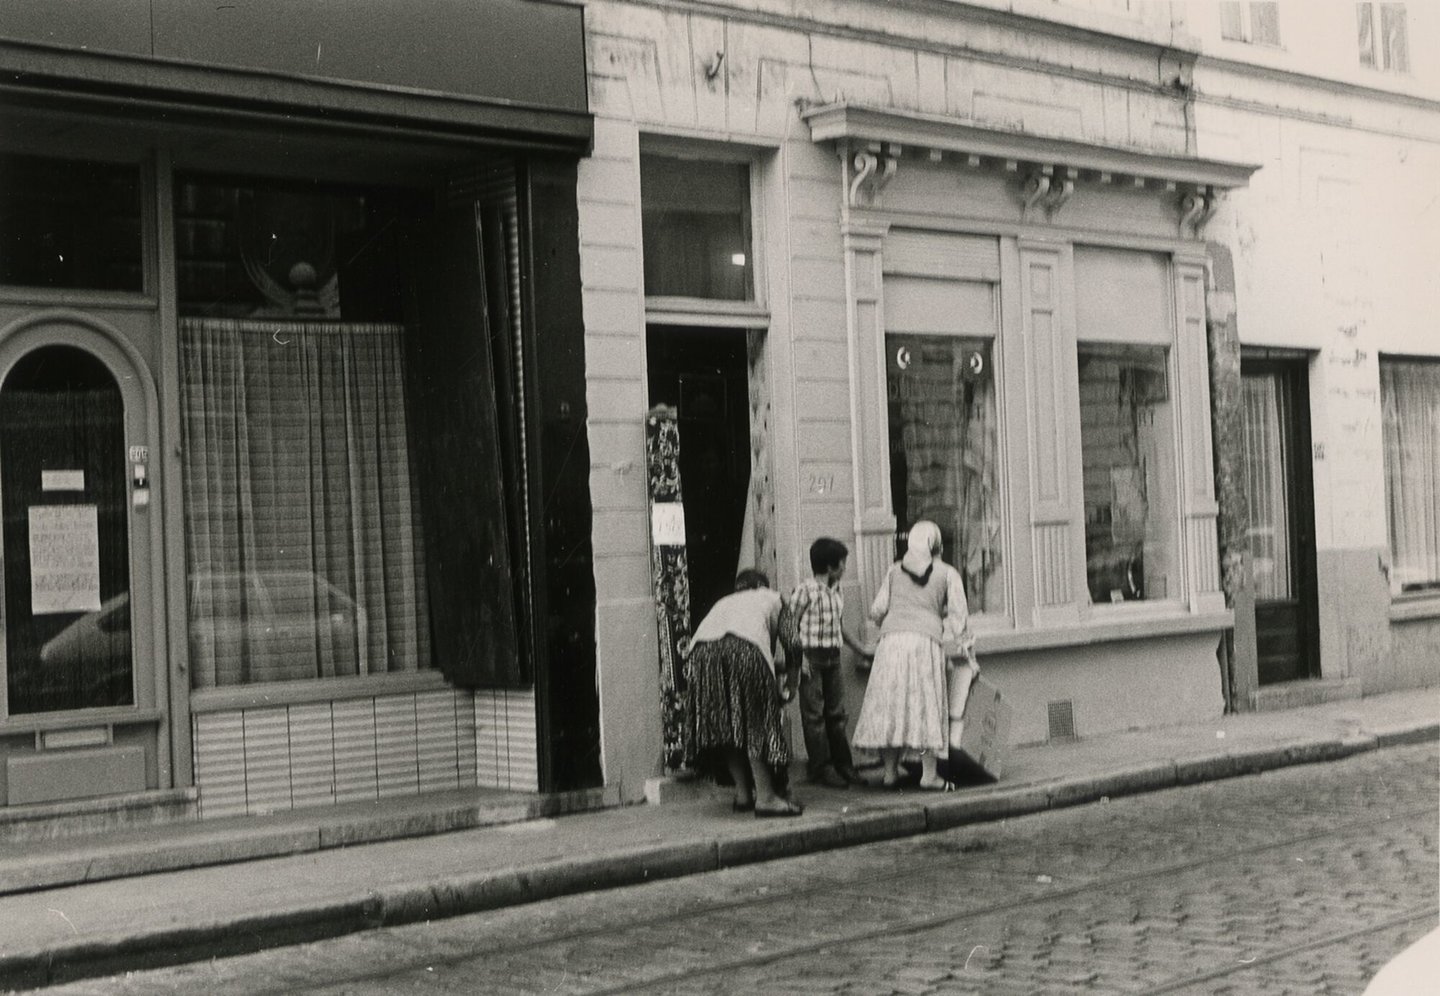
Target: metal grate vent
x=1062, y=720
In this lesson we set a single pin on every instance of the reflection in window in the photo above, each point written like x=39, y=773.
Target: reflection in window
x=944, y=453
x=63, y=484
x=69, y=225
x=1127, y=452
x=332, y=385
x=1410, y=395
x=696, y=220
x=251, y=250
x=301, y=526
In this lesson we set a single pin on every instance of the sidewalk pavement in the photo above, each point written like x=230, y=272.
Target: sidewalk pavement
x=315, y=890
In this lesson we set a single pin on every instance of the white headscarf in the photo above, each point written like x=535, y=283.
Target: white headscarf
x=923, y=548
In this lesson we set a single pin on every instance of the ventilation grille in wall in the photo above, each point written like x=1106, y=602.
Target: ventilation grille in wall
x=277, y=758
x=1062, y=720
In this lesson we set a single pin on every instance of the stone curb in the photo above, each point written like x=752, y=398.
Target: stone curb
x=414, y=902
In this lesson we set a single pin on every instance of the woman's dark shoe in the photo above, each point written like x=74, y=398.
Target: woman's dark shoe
x=738, y=806
x=786, y=807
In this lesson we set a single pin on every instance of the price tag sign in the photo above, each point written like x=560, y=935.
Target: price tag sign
x=667, y=524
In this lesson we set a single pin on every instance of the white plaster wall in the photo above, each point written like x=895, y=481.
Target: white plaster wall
x=1337, y=250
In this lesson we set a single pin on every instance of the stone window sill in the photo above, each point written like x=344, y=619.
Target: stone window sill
x=1103, y=631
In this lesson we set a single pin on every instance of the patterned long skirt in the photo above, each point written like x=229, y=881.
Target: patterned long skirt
x=732, y=702
x=905, y=703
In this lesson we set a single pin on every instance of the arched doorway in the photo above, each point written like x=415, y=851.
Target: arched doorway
x=79, y=703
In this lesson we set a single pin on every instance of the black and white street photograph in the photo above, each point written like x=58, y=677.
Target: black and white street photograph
x=815, y=497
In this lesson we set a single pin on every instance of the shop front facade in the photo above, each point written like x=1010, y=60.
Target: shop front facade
x=950, y=261
x=290, y=365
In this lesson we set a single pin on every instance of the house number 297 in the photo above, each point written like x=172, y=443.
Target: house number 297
x=822, y=483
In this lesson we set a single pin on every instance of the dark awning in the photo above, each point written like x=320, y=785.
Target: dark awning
x=502, y=69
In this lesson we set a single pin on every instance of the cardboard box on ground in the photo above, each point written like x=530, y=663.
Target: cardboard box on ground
x=979, y=727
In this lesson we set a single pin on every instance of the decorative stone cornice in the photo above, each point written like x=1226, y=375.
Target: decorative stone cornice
x=877, y=141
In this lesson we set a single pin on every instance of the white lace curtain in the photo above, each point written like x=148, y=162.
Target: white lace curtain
x=1411, y=398
x=302, y=540
x=1266, y=469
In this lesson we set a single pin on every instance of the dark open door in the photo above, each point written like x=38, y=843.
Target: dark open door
x=1279, y=492
x=457, y=447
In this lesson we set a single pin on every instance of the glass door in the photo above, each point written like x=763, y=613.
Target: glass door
x=1278, y=491
x=65, y=496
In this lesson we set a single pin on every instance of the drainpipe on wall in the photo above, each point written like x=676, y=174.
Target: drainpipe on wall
x=1238, y=655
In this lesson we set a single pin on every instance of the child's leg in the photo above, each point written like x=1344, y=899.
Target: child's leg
x=812, y=718
x=836, y=737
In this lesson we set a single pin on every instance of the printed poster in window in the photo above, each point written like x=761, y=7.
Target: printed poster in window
x=64, y=559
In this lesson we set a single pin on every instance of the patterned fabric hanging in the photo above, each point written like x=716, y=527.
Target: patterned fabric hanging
x=669, y=574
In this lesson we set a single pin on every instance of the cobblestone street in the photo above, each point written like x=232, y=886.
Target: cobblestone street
x=1305, y=880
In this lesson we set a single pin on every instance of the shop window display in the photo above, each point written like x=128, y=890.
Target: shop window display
x=324, y=447
x=1127, y=454
x=944, y=453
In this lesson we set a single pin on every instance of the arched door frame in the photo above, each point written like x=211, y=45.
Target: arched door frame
x=81, y=330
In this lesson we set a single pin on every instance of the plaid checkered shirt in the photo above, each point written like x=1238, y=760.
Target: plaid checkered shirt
x=817, y=609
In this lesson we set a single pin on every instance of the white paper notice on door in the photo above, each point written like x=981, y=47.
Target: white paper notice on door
x=64, y=559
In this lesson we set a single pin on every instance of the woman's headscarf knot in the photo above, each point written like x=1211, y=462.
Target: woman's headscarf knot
x=923, y=546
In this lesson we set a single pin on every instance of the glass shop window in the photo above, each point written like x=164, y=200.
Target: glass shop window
x=1127, y=433
x=696, y=228
x=1410, y=398
x=68, y=225
x=943, y=426
x=1124, y=319
x=324, y=445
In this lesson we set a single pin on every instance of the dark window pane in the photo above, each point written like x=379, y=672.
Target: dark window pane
x=245, y=249
x=69, y=225
x=65, y=501
x=696, y=228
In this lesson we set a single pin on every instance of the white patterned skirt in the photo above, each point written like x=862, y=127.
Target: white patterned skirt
x=905, y=703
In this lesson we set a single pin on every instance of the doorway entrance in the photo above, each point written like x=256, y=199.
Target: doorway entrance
x=79, y=676
x=704, y=374
x=1279, y=492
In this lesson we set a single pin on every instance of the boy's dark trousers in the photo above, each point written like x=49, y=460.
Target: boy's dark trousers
x=822, y=713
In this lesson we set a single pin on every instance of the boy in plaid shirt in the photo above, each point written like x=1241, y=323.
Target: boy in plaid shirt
x=816, y=610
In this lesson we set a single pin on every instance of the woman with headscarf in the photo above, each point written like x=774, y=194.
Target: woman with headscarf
x=920, y=608
x=733, y=698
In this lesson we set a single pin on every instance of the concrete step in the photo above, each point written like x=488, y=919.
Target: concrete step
x=51, y=821
x=1305, y=692
x=118, y=851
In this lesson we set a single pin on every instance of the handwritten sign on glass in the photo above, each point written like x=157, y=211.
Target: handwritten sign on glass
x=64, y=559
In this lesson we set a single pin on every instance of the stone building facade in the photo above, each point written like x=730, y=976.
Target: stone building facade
x=1048, y=274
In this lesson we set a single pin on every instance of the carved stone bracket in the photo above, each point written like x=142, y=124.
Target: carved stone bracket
x=1196, y=209
x=872, y=171
x=1047, y=188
